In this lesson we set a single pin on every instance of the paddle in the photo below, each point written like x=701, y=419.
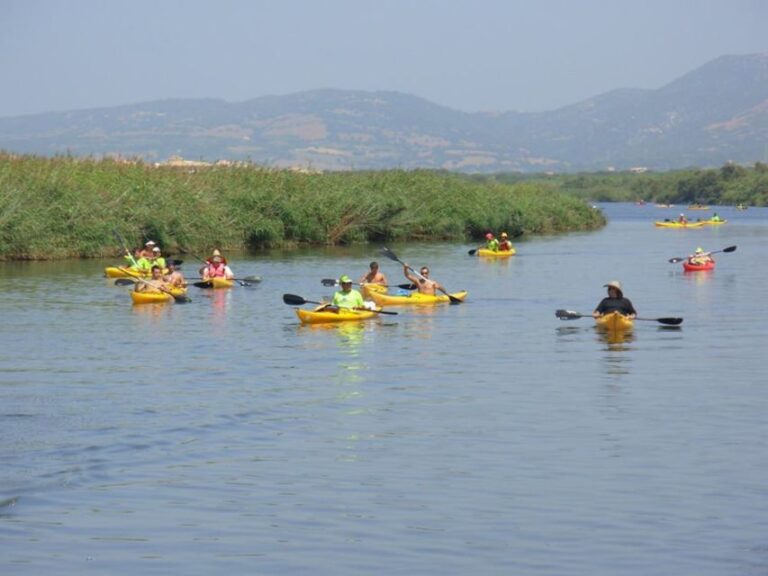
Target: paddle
x=473, y=251
x=392, y=256
x=247, y=281
x=122, y=243
x=179, y=298
x=729, y=249
x=570, y=315
x=293, y=300
x=330, y=282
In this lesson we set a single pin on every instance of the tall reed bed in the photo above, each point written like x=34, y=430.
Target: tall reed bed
x=66, y=207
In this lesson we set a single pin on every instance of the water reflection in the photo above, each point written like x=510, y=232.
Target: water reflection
x=617, y=345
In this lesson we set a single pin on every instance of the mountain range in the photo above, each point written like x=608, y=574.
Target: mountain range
x=715, y=114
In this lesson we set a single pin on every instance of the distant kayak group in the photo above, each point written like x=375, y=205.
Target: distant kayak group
x=683, y=222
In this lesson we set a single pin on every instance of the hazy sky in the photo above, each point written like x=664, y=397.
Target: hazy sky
x=467, y=54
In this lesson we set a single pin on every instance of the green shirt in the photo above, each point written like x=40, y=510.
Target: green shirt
x=351, y=299
x=493, y=245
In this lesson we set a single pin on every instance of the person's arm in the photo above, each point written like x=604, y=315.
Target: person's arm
x=407, y=271
x=228, y=274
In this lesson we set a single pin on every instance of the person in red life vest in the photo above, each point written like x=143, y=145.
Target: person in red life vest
x=505, y=245
x=217, y=268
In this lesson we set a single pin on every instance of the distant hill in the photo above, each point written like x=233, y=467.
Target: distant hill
x=712, y=115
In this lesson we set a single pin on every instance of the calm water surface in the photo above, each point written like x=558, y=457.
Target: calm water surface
x=220, y=437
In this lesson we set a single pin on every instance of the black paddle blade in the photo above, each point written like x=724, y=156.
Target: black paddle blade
x=568, y=315
x=670, y=321
x=181, y=299
x=125, y=282
x=473, y=251
x=730, y=249
x=328, y=282
x=389, y=254
x=203, y=284
x=293, y=300
x=407, y=286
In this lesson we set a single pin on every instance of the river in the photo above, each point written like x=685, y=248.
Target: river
x=221, y=437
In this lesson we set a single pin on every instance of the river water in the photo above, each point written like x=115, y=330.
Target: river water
x=221, y=437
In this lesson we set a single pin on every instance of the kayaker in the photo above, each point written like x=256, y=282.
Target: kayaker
x=715, y=217
x=424, y=284
x=217, y=268
x=492, y=243
x=682, y=219
x=374, y=276
x=699, y=257
x=615, y=302
x=347, y=297
x=505, y=245
x=157, y=258
x=175, y=278
x=158, y=283
x=209, y=260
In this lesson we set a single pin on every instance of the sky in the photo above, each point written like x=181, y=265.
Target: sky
x=470, y=55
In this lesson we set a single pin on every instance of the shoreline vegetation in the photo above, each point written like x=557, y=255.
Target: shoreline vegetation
x=729, y=185
x=66, y=207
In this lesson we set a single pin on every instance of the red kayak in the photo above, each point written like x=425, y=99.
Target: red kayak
x=689, y=267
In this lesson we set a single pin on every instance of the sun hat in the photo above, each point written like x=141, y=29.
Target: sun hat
x=216, y=252
x=613, y=284
x=149, y=243
x=156, y=249
x=489, y=236
x=699, y=250
x=503, y=234
x=345, y=280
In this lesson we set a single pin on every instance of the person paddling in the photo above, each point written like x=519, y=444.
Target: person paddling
x=615, y=302
x=158, y=282
x=491, y=244
x=373, y=276
x=505, y=245
x=424, y=284
x=217, y=268
x=347, y=297
x=175, y=278
x=700, y=258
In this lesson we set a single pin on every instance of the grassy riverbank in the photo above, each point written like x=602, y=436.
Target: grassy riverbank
x=65, y=207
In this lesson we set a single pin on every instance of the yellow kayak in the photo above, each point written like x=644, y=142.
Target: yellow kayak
x=414, y=298
x=496, y=253
x=125, y=272
x=614, y=322
x=367, y=289
x=320, y=316
x=220, y=282
x=675, y=224
x=713, y=222
x=156, y=297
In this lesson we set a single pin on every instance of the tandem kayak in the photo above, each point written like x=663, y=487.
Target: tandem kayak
x=689, y=266
x=673, y=224
x=147, y=297
x=414, y=298
x=614, y=322
x=496, y=253
x=320, y=316
x=713, y=222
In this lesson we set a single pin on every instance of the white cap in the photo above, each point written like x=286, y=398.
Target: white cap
x=149, y=243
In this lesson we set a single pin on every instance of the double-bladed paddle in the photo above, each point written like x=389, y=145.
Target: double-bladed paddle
x=571, y=315
x=247, y=281
x=294, y=300
x=330, y=282
x=392, y=256
x=729, y=249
